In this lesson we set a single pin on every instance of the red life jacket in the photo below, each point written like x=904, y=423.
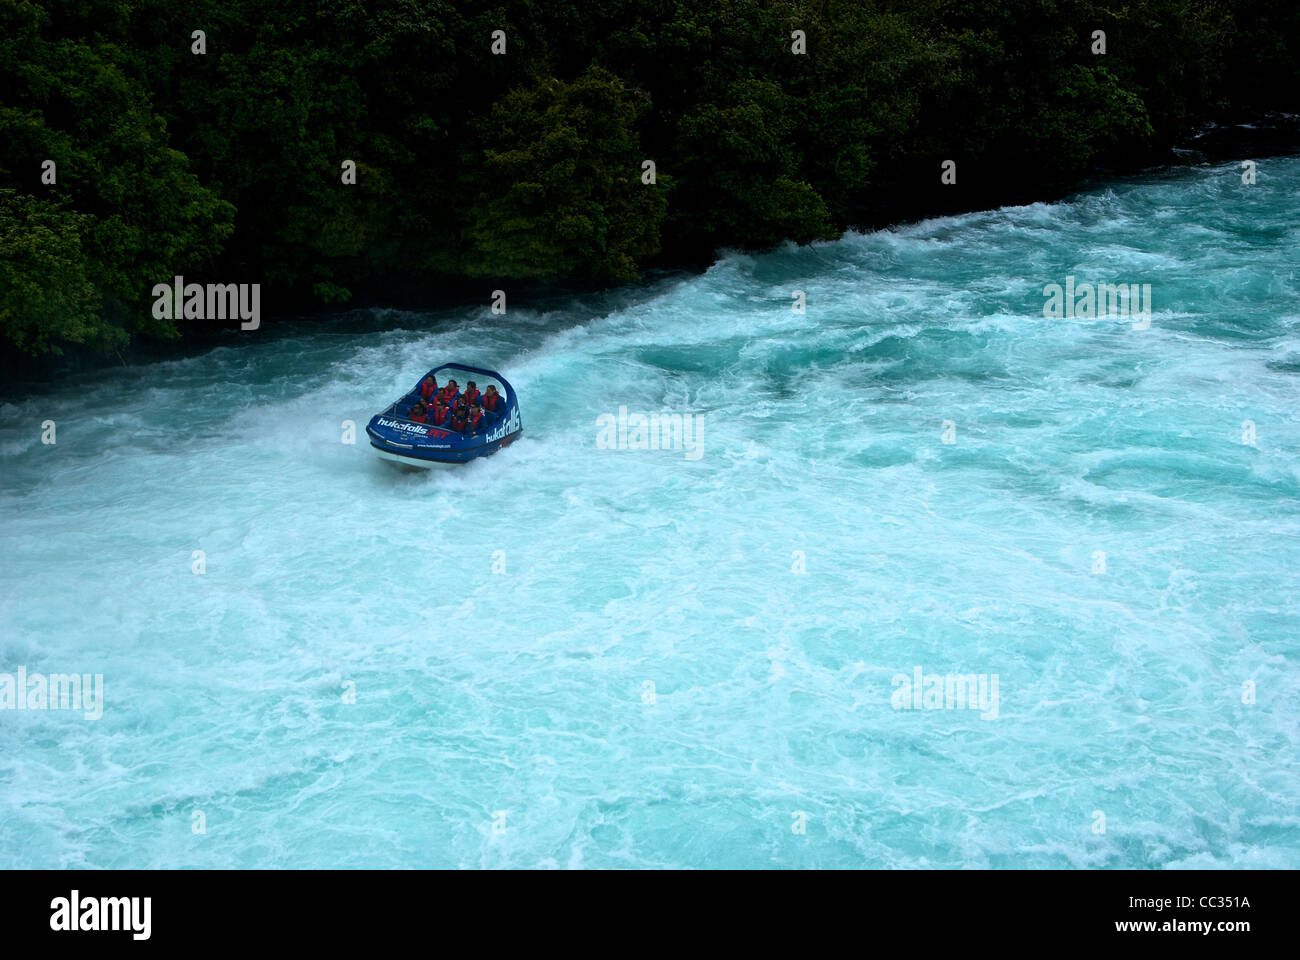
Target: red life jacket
x=458, y=422
x=448, y=392
x=472, y=395
x=475, y=419
x=427, y=390
x=420, y=417
x=490, y=401
x=440, y=418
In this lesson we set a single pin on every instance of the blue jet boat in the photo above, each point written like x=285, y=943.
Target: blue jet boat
x=398, y=438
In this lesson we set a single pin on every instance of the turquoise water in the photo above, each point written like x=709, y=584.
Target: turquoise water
x=652, y=681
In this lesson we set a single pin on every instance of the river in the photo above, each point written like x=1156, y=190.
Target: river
x=575, y=654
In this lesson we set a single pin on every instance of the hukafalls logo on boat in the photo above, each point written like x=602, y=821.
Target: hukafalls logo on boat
x=1088, y=301
x=58, y=691
x=212, y=301
x=946, y=691
x=407, y=427
x=655, y=431
x=507, y=428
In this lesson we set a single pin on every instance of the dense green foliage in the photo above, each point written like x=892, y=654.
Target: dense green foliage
x=227, y=166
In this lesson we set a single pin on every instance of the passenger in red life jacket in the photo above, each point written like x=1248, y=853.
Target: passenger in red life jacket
x=419, y=412
x=492, y=400
x=475, y=417
x=428, y=389
x=471, y=392
x=450, y=392
x=459, y=416
x=441, y=413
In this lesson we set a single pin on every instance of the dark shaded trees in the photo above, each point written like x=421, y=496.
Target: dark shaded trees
x=528, y=166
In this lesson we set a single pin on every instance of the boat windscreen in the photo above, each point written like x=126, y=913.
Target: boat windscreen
x=462, y=377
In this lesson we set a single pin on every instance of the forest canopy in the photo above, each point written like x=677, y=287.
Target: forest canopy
x=126, y=157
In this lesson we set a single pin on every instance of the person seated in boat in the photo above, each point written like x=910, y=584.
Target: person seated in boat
x=419, y=412
x=471, y=391
x=450, y=392
x=475, y=417
x=459, y=415
x=428, y=388
x=492, y=400
x=441, y=413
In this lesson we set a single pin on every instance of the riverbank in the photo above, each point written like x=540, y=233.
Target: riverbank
x=1254, y=137
x=398, y=155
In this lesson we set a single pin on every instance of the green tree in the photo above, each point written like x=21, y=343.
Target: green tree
x=739, y=178
x=141, y=216
x=46, y=297
x=555, y=184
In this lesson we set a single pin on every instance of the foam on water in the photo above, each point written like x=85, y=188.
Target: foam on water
x=530, y=693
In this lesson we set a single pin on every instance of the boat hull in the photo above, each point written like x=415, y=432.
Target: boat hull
x=414, y=462
x=431, y=460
